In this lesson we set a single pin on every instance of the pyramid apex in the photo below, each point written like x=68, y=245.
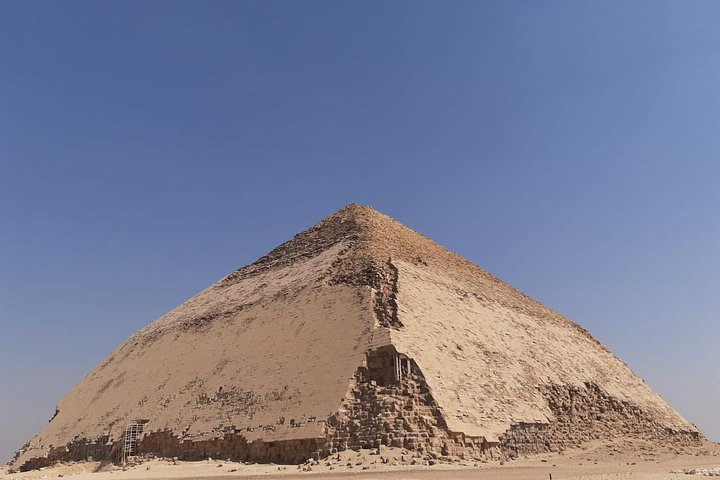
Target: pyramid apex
x=361, y=217
x=356, y=209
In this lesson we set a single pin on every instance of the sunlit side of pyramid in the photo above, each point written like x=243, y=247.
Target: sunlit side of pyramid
x=356, y=333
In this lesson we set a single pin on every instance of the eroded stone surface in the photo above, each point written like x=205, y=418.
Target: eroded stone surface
x=294, y=356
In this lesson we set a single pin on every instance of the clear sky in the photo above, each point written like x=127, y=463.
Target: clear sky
x=149, y=148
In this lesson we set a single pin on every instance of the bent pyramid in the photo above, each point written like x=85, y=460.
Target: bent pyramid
x=356, y=333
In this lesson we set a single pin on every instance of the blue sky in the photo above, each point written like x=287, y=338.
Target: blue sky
x=149, y=148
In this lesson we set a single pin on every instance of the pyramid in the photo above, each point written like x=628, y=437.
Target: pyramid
x=358, y=332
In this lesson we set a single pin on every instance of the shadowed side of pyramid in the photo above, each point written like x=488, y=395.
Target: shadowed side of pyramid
x=356, y=333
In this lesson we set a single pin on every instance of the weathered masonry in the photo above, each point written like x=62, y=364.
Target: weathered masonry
x=357, y=332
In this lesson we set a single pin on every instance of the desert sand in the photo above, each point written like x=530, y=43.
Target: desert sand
x=595, y=461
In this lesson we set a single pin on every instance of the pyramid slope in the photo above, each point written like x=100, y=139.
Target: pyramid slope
x=242, y=355
x=513, y=356
x=274, y=361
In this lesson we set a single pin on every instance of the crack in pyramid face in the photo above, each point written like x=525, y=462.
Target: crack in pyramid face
x=355, y=333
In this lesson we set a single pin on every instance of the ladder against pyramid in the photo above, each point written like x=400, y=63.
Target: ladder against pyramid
x=132, y=434
x=356, y=333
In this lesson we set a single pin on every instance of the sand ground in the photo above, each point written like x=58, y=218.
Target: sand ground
x=619, y=461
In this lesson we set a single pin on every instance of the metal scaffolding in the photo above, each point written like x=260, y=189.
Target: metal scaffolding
x=132, y=432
